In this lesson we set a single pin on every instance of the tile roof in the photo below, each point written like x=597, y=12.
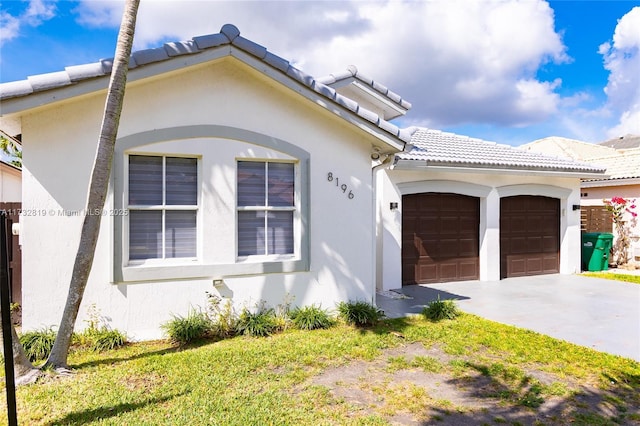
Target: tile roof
x=353, y=73
x=437, y=148
x=620, y=163
x=624, y=142
x=568, y=148
x=229, y=36
x=623, y=165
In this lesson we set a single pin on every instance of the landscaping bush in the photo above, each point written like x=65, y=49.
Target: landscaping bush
x=359, y=313
x=222, y=316
x=261, y=323
x=99, y=339
x=441, y=309
x=182, y=330
x=105, y=339
x=38, y=344
x=311, y=318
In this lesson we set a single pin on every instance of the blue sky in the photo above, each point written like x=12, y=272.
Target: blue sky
x=507, y=71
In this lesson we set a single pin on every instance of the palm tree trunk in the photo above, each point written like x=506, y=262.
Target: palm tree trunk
x=98, y=186
x=25, y=372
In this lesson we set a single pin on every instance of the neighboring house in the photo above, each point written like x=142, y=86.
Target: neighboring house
x=10, y=198
x=620, y=157
x=237, y=174
x=10, y=177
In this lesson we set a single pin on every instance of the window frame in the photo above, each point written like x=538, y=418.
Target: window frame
x=164, y=207
x=180, y=144
x=295, y=208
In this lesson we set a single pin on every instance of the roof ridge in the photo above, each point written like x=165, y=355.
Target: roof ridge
x=229, y=35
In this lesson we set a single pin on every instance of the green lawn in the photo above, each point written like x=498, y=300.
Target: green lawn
x=278, y=380
x=614, y=276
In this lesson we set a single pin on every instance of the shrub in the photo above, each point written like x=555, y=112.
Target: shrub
x=359, y=313
x=261, y=323
x=182, y=330
x=311, y=318
x=105, y=339
x=99, y=339
x=38, y=344
x=441, y=309
x=222, y=316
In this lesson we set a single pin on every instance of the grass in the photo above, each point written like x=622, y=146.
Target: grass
x=269, y=380
x=629, y=278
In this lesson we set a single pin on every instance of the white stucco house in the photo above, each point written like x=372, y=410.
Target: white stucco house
x=236, y=173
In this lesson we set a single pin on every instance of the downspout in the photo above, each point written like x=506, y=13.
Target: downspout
x=384, y=164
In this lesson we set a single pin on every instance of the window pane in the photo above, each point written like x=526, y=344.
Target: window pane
x=280, y=232
x=281, y=184
x=145, y=180
x=251, y=180
x=180, y=234
x=145, y=234
x=250, y=233
x=182, y=181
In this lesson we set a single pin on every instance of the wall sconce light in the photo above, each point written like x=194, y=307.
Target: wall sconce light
x=576, y=207
x=393, y=206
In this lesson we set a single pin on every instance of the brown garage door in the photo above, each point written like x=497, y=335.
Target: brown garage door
x=439, y=238
x=529, y=236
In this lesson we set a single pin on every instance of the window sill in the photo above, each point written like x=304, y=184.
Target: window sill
x=162, y=271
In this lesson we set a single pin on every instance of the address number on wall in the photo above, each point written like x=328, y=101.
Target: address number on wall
x=341, y=186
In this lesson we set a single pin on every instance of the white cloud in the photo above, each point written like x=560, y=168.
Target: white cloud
x=9, y=27
x=36, y=12
x=622, y=60
x=456, y=61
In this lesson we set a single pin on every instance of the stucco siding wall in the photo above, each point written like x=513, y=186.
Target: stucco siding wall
x=489, y=187
x=10, y=185
x=59, y=144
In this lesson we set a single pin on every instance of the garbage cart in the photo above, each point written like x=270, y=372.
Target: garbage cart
x=595, y=251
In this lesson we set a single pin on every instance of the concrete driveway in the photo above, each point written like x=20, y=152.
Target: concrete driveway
x=597, y=313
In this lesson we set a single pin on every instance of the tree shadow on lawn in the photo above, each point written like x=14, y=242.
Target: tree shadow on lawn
x=475, y=393
x=526, y=403
x=102, y=413
x=145, y=354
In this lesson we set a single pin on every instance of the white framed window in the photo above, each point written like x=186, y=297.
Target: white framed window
x=162, y=207
x=266, y=208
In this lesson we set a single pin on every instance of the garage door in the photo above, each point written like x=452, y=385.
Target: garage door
x=529, y=236
x=439, y=238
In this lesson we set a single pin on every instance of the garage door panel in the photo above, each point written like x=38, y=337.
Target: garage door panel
x=549, y=245
x=529, y=236
x=534, y=266
x=447, y=230
x=427, y=270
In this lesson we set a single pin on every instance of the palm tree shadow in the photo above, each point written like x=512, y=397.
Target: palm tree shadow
x=83, y=417
x=145, y=354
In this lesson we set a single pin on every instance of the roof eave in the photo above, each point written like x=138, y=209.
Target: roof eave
x=276, y=68
x=74, y=89
x=395, y=142
x=491, y=168
x=595, y=183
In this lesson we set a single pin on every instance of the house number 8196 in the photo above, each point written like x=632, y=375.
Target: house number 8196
x=343, y=187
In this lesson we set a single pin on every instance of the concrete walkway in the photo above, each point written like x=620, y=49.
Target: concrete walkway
x=597, y=313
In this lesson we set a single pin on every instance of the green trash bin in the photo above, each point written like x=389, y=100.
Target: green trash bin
x=595, y=251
